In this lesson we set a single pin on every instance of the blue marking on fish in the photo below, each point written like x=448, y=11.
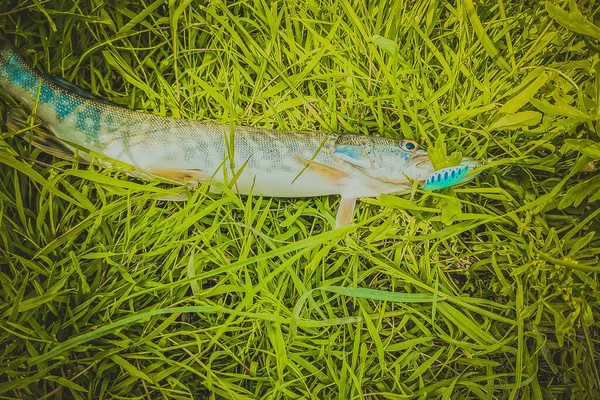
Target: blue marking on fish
x=65, y=104
x=13, y=71
x=18, y=75
x=46, y=94
x=355, y=152
x=88, y=120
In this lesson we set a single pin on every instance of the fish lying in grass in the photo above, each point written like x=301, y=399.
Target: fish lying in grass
x=266, y=162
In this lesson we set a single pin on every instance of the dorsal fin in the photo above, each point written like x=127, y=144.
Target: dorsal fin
x=68, y=86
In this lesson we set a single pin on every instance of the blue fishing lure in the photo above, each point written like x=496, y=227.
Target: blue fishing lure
x=445, y=177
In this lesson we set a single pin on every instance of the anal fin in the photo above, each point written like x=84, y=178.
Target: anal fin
x=345, y=211
x=181, y=196
x=189, y=176
x=42, y=137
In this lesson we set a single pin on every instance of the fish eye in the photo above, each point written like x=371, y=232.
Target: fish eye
x=409, y=145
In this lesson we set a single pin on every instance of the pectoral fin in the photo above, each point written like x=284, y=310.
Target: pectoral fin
x=345, y=212
x=331, y=174
x=356, y=156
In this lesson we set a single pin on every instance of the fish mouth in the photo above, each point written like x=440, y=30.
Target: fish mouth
x=421, y=167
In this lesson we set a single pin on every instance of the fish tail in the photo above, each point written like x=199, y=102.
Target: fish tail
x=16, y=76
x=26, y=87
x=65, y=112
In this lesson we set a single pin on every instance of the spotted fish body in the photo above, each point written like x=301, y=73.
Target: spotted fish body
x=268, y=162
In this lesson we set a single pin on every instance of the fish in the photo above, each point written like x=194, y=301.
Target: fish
x=265, y=162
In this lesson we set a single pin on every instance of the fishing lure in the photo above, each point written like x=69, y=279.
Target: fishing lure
x=446, y=177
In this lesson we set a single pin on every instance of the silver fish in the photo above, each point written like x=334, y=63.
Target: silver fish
x=272, y=162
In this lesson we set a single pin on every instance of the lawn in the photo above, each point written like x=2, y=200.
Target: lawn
x=489, y=290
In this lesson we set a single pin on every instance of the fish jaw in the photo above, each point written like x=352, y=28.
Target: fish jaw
x=419, y=167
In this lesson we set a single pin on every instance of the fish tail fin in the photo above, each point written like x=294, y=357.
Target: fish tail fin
x=42, y=137
x=17, y=77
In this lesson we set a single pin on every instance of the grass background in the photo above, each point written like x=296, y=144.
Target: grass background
x=486, y=291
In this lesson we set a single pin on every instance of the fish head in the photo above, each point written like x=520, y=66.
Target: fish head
x=399, y=163
x=406, y=161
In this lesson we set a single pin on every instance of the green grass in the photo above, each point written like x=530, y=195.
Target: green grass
x=486, y=291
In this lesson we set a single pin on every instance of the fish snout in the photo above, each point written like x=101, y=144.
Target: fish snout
x=421, y=167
